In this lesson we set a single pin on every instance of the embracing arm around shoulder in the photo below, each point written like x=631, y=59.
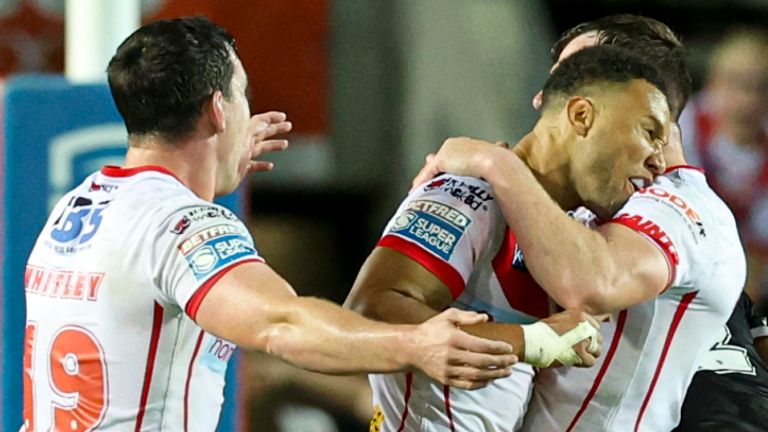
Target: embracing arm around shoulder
x=601, y=270
x=254, y=307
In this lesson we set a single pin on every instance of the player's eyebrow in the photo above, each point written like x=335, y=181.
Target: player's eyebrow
x=658, y=127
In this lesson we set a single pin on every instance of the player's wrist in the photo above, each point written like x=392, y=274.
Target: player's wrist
x=493, y=162
x=539, y=344
x=543, y=346
x=484, y=163
x=407, y=348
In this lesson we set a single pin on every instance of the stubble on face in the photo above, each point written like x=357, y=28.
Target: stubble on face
x=618, y=145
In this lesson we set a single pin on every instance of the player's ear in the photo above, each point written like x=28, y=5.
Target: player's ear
x=581, y=114
x=216, y=111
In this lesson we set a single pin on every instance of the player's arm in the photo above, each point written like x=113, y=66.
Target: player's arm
x=601, y=270
x=395, y=288
x=254, y=307
x=428, y=250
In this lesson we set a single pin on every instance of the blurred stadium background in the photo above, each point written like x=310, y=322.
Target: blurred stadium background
x=371, y=86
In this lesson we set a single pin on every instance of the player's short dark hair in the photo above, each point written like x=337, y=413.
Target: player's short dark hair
x=648, y=37
x=599, y=65
x=162, y=74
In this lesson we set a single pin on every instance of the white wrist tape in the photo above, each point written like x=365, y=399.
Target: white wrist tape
x=543, y=345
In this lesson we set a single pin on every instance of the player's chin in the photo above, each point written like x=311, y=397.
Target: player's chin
x=614, y=207
x=604, y=211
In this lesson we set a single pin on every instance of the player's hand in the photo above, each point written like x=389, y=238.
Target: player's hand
x=262, y=128
x=568, y=338
x=456, y=358
x=587, y=349
x=461, y=156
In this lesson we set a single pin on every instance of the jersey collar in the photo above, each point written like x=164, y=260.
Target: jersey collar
x=677, y=167
x=116, y=171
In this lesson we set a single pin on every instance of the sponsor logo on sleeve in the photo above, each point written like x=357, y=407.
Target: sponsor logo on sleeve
x=213, y=248
x=200, y=213
x=209, y=212
x=474, y=196
x=652, y=230
x=181, y=226
x=435, y=226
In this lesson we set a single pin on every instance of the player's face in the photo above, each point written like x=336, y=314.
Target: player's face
x=235, y=148
x=578, y=43
x=622, y=151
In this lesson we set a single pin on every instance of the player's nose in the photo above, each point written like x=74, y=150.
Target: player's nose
x=655, y=163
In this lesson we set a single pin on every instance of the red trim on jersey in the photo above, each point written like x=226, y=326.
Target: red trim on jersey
x=658, y=237
x=685, y=301
x=622, y=319
x=447, y=395
x=406, y=398
x=116, y=171
x=189, y=377
x=519, y=287
x=677, y=167
x=444, y=271
x=193, y=304
x=157, y=322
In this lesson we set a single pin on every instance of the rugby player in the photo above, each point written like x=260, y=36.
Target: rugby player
x=653, y=269
x=731, y=371
x=449, y=245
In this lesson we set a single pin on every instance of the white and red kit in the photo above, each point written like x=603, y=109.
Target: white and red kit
x=453, y=227
x=652, y=350
x=113, y=285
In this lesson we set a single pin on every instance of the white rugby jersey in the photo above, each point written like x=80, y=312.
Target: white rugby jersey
x=113, y=285
x=454, y=228
x=651, y=350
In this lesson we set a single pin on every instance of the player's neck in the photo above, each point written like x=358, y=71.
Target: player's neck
x=549, y=164
x=190, y=161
